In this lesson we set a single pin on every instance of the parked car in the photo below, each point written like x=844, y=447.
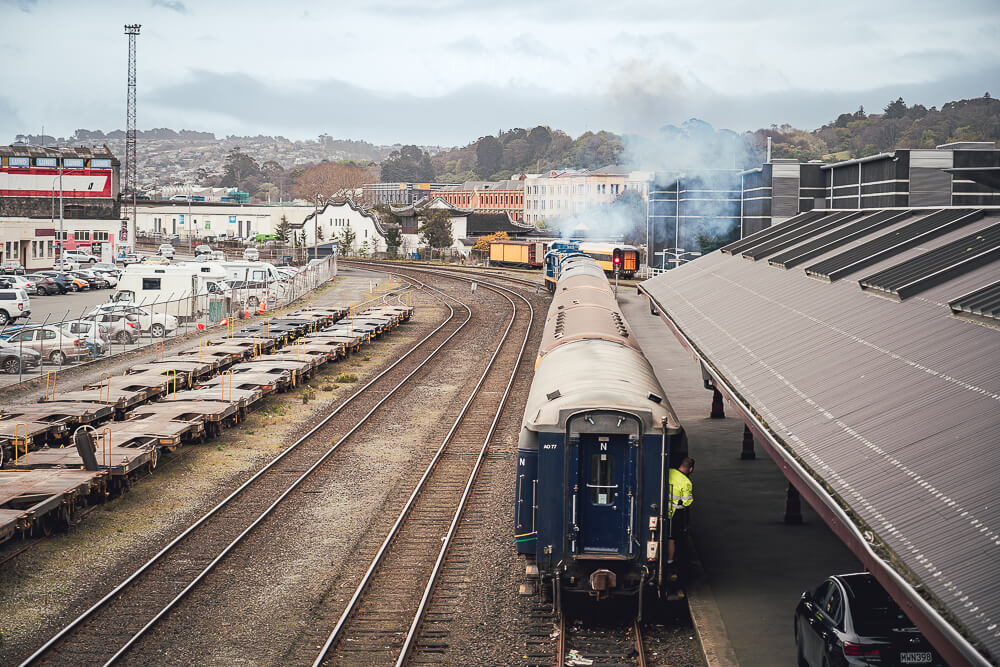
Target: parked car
x=156, y=260
x=251, y=254
x=155, y=324
x=63, y=264
x=12, y=267
x=21, y=282
x=79, y=257
x=14, y=304
x=165, y=250
x=89, y=331
x=72, y=283
x=202, y=250
x=48, y=341
x=14, y=360
x=45, y=285
x=105, y=268
x=121, y=327
x=849, y=619
x=129, y=258
x=96, y=280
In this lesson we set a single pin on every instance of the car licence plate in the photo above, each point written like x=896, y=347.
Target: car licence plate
x=915, y=657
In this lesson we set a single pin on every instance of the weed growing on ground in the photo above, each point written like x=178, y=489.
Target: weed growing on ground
x=327, y=387
x=346, y=377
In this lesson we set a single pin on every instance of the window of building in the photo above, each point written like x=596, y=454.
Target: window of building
x=543, y=204
x=100, y=236
x=81, y=235
x=49, y=246
x=543, y=190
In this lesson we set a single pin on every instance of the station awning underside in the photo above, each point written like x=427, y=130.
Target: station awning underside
x=866, y=346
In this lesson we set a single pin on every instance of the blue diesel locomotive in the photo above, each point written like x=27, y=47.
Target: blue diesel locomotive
x=596, y=442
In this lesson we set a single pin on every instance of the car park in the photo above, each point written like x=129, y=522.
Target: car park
x=45, y=285
x=14, y=360
x=12, y=267
x=165, y=250
x=49, y=342
x=14, y=304
x=849, y=619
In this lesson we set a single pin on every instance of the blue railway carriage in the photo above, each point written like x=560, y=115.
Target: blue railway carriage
x=597, y=439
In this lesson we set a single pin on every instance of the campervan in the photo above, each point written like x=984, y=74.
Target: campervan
x=181, y=285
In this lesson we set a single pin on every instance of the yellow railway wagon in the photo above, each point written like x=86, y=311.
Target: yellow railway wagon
x=526, y=254
x=604, y=252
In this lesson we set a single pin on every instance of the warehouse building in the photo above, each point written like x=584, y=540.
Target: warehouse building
x=39, y=185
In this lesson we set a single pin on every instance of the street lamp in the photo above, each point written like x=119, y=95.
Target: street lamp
x=316, y=229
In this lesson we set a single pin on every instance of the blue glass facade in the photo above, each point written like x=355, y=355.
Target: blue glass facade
x=684, y=209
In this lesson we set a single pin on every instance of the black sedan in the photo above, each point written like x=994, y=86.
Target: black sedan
x=849, y=619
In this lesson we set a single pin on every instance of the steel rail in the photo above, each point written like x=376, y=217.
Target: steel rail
x=640, y=646
x=432, y=580
x=404, y=513
x=51, y=643
x=239, y=538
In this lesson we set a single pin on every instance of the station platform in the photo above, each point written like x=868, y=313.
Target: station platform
x=753, y=565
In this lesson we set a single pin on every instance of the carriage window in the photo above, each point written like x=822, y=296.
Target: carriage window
x=602, y=476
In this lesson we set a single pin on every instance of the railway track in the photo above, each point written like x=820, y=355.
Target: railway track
x=382, y=619
x=584, y=644
x=108, y=629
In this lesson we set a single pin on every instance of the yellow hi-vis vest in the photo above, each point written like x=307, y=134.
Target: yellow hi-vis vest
x=681, y=491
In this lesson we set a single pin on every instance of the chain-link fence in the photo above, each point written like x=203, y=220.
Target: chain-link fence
x=37, y=346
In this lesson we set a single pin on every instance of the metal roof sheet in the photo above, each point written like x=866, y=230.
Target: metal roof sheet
x=895, y=406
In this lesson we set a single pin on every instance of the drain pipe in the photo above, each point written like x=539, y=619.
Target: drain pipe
x=663, y=487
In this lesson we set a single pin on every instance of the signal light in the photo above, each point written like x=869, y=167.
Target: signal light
x=616, y=258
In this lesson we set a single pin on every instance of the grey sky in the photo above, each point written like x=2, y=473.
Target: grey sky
x=447, y=72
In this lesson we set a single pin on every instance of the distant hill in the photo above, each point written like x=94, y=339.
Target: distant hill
x=859, y=134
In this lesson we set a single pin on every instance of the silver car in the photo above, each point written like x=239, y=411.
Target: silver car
x=51, y=342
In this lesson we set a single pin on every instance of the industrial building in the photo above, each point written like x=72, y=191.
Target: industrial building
x=778, y=190
x=52, y=197
x=942, y=176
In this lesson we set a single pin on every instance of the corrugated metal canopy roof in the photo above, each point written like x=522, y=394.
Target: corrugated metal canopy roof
x=894, y=406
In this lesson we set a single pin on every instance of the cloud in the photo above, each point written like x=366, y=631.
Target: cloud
x=175, y=5
x=468, y=45
x=24, y=5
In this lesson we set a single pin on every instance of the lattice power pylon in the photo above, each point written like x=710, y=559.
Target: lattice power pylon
x=131, y=179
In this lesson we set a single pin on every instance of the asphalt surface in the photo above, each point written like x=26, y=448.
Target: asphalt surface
x=755, y=565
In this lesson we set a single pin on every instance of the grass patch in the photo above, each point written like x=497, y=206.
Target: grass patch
x=346, y=377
